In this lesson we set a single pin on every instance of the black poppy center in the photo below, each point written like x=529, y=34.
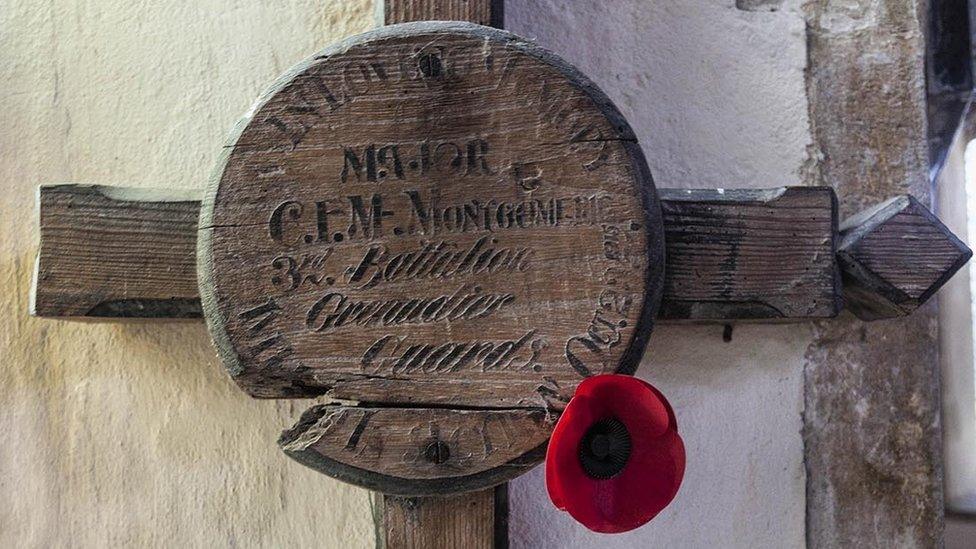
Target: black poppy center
x=605, y=448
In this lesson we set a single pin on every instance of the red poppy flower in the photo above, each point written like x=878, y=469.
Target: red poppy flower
x=615, y=459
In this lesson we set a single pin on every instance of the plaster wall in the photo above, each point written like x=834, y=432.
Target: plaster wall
x=956, y=332
x=717, y=98
x=130, y=434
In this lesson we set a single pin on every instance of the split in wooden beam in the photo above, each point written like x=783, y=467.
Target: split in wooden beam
x=732, y=255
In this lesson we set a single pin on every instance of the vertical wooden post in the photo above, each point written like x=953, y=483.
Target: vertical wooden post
x=482, y=12
x=473, y=520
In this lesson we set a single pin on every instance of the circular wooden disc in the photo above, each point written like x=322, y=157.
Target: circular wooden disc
x=431, y=214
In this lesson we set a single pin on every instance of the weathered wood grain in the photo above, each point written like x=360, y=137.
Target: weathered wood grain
x=483, y=12
x=430, y=213
x=419, y=451
x=475, y=520
x=743, y=254
x=895, y=256
x=704, y=262
x=116, y=252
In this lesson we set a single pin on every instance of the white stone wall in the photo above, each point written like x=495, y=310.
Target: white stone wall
x=717, y=98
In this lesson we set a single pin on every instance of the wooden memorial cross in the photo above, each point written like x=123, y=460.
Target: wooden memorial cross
x=444, y=228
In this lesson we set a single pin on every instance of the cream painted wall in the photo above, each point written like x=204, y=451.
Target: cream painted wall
x=130, y=434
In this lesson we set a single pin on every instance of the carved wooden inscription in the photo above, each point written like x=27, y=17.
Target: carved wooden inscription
x=419, y=451
x=431, y=213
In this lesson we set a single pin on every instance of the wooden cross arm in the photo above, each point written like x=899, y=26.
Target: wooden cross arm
x=771, y=255
x=116, y=252
x=894, y=257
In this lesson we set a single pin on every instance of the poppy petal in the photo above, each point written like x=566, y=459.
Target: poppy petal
x=655, y=466
x=566, y=470
x=647, y=485
x=624, y=396
x=660, y=395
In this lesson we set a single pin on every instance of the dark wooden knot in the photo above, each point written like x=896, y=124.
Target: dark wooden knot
x=437, y=452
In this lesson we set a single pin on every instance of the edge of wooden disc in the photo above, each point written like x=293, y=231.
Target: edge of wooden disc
x=292, y=445
x=653, y=282
x=654, y=274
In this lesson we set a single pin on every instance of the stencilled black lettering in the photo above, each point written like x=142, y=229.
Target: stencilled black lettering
x=415, y=212
x=582, y=136
x=587, y=351
x=429, y=216
x=358, y=78
x=309, y=269
x=311, y=99
x=259, y=319
x=392, y=355
x=353, y=441
x=323, y=212
x=432, y=244
x=335, y=310
x=367, y=221
x=438, y=260
x=377, y=162
x=289, y=210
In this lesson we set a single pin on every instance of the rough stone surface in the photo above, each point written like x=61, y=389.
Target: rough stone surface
x=132, y=435
x=717, y=98
x=871, y=421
